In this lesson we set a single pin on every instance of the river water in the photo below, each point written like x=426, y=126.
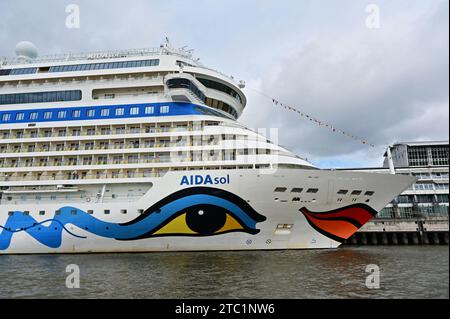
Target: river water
x=405, y=272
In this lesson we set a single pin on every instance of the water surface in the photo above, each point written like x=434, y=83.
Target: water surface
x=405, y=272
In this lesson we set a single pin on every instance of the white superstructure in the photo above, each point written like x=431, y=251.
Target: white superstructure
x=141, y=150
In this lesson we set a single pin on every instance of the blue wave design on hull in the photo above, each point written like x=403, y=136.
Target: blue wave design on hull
x=51, y=235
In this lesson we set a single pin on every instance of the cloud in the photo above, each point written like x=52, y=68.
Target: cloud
x=386, y=85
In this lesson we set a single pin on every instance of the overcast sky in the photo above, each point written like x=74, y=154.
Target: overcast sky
x=385, y=84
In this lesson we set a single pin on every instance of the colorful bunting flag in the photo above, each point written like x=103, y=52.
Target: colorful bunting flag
x=320, y=123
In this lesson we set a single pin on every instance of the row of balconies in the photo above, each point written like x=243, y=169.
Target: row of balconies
x=93, y=132
x=105, y=174
x=103, y=132
x=104, y=147
x=117, y=161
x=83, y=176
x=82, y=80
x=142, y=143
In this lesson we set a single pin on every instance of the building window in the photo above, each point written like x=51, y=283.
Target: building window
x=417, y=156
x=120, y=111
x=20, y=116
x=149, y=110
x=48, y=115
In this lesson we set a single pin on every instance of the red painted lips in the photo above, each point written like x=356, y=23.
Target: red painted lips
x=340, y=224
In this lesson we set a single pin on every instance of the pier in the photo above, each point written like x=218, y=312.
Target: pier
x=402, y=231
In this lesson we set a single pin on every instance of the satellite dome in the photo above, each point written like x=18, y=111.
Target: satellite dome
x=26, y=50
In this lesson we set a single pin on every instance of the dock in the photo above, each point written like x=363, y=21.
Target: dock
x=402, y=231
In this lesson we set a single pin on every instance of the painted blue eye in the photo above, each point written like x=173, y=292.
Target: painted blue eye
x=196, y=211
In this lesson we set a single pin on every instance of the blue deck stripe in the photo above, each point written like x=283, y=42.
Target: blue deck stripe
x=175, y=108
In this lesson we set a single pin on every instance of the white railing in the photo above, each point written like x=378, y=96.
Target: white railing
x=101, y=55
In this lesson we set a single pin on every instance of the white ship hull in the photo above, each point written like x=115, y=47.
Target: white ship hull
x=279, y=222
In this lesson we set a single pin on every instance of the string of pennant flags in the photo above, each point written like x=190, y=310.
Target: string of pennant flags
x=316, y=121
x=321, y=123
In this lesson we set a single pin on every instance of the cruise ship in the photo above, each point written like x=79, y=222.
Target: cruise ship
x=141, y=151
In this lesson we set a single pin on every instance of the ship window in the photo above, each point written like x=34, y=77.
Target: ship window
x=47, y=115
x=369, y=193
x=58, y=212
x=5, y=72
x=39, y=97
x=73, y=212
x=22, y=71
x=120, y=111
x=42, y=212
x=140, y=211
x=312, y=190
x=10, y=213
x=356, y=192
x=6, y=117
x=134, y=111
x=62, y=114
x=280, y=189
x=104, y=112
x=90, y=212
x=76, y=113
x=123, y=211
x=91, y=113
x=342, y=192
x=149, y=110
x=20, y=116
x=164, y=109
x=220, y=87
x=33, y=115
x=296, y=190
x=107, y=211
